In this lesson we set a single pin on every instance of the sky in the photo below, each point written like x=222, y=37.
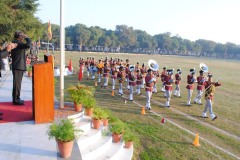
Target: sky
x=216, y=20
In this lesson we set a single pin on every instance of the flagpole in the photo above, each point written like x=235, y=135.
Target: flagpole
x=62, y=52
x=47, y=45
x=38, y=47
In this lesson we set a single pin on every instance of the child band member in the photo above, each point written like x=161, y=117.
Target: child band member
x=190, y=85
x=139, y=82
x=132, y=81
x=120, y=77
x=177, y=83
x=168, y=85
x=149, y=79
x=209, y=91
x=200, y=88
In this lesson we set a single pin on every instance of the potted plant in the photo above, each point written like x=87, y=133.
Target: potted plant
x=98, y=114
x=89, y=105
x=64, y=133
x=79, y=93
x=106, y=116
x=29, y=71
x=128, y=138
x=117, y=129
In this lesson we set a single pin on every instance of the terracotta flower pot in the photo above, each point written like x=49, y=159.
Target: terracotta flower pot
x=78, y=107
x=116, y=137
x=65, y=148
x=105, y=122
x=96, y=123
x=128, y=144
x=89, y=111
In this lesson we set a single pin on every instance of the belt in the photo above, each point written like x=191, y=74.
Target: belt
x=168, y=85
x=149, y=87
x=189, y=84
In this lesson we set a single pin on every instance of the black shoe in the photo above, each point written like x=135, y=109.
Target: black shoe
x=1, y=113
x=214, y=118
x=149, y=109
x=18, y=102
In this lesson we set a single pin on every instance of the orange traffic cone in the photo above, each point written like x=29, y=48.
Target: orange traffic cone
x=143, y=110
x=196, y=141
x=163, y=120
x=112, y=92
x=95, y=83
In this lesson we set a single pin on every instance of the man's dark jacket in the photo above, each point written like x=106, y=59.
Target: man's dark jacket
x=19, y=56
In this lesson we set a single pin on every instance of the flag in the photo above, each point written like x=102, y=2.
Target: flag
x=49, y=31
x=70, y=65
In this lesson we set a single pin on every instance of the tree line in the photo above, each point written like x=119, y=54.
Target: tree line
x=19, y=15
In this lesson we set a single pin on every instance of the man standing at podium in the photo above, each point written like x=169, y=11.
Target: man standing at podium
x=19, y=64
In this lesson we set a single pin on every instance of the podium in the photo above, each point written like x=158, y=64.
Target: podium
x=43, y=91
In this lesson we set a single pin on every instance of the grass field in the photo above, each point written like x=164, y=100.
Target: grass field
x=172, y=140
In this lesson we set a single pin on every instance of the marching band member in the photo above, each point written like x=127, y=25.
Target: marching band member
x=127, y=62
x=118, y=62
x=149, y=79
x=200, y=88
x=81, y=68
x=100, y=66
x=111, y=62
x=87, y=66
x=132, y=81
x=93, y=68
x=127, y=75
x=168, y=79
x=81, y=62
x=209, y=91
x=106, y=71
x=143, y=72
x=120, y=77
x=177, y=83
x=137, y=66
x=190, y=85
x=163, y=74
x=139, y=82
x=114, y=73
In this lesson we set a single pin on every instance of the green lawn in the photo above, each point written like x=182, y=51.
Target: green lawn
x=173, y=140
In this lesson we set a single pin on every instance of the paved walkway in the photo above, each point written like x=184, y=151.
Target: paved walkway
x=23, y=140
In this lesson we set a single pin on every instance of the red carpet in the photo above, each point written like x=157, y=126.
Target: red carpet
x=15, y=113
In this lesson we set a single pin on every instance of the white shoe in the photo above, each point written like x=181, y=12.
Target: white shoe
x=213, y=117
x=204, y=115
